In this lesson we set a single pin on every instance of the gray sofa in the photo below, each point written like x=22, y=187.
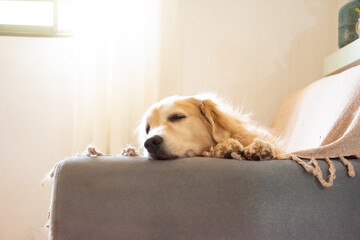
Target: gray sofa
x=200, y=198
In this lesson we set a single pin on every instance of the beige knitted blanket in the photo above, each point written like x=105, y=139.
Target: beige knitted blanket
x=322, y=121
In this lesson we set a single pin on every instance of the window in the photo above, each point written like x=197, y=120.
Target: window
x=36, y=17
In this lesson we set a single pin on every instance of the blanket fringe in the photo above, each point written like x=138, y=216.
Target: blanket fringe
x=93, y=152
x=128, y=151
x=313, y=167
x=348, y=164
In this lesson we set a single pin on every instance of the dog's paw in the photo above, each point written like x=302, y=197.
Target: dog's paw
x=259, y=150
x=129, y=151
x=230, y=148
x=209, y=153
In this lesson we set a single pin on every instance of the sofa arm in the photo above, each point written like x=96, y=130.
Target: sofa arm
x=200, y=198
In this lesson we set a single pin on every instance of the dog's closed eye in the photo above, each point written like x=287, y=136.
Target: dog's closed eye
x=147, y=129
x=176, y=117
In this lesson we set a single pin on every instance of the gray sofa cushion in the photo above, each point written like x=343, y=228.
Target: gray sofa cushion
x=200, y=198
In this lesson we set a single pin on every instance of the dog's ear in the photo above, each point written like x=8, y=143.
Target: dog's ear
x=219, y=123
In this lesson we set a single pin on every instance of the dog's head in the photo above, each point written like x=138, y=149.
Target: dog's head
x=183, y=127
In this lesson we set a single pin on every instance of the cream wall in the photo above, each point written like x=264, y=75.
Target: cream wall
x=253, y=52
x=256, y=52
x=35, y=128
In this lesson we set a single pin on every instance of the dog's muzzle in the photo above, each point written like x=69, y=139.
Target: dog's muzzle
x=153, y=144
x=155, y=147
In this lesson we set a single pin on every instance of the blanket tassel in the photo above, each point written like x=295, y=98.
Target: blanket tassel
x=348, y=164
x=313, y=167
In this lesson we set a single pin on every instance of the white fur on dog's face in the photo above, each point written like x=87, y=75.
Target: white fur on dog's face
x=179, y=122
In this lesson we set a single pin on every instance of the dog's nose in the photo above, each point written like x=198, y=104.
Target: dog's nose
x=153, y=144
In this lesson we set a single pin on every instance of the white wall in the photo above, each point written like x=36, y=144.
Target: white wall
x=255, y=52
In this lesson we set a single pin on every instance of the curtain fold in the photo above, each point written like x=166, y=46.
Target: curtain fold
x=127, y=57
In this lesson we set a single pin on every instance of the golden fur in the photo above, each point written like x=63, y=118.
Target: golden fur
x=203, y=126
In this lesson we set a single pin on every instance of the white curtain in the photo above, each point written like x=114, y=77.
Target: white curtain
x=127, y=57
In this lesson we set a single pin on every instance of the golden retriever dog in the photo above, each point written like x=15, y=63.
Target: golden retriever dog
x=178, y=127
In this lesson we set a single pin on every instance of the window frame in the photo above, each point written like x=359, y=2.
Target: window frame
x=34, y=30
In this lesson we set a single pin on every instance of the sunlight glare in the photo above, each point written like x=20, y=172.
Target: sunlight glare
x=130, y=24
x=26, y=13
